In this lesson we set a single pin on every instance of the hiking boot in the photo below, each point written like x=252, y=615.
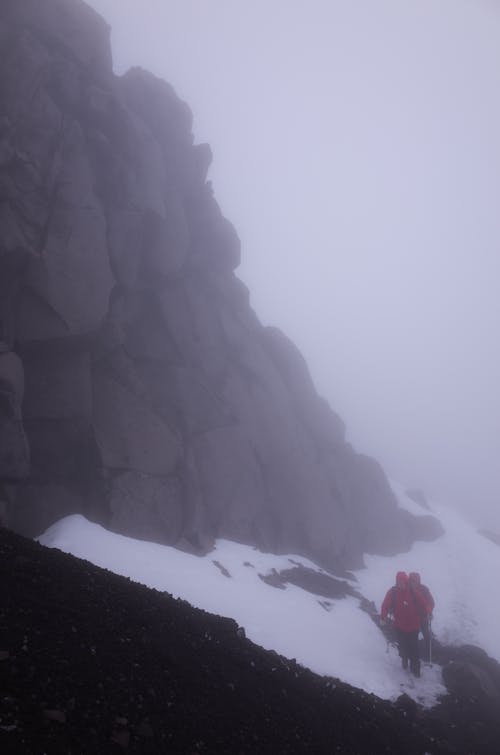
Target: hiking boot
x=404, y=662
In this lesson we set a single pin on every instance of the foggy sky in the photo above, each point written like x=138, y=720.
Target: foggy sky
x=357, y=152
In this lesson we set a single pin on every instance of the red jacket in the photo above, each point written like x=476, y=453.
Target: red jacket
x=424, y=592
x=406, y=606
x=426, y=596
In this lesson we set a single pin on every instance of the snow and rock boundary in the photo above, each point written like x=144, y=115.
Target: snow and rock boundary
x=91, y=661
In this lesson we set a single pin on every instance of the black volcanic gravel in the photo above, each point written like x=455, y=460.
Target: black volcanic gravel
x=91, y=662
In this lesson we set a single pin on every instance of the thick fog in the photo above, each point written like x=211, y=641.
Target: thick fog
x=357, y=151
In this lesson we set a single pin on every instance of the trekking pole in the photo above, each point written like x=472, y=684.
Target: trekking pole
x=430, y=642
x=388, y=633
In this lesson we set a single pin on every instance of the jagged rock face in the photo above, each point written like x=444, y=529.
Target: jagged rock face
x=155, y=402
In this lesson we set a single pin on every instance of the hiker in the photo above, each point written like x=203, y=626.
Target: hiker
x=406, y=608
x=425, y=625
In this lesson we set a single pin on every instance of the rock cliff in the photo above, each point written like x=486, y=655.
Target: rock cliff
x=137, y=385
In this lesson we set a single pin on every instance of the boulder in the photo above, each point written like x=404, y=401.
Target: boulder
x=469, y=681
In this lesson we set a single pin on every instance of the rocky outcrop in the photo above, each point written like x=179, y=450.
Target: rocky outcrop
x=155, y=402
x=418, y=496
x=469, y=672
x=469, y=681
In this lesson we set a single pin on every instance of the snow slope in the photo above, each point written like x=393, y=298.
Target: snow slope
x=459, y=568
x=341, y=642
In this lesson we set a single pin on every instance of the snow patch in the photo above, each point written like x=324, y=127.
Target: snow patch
x=342, y=641
x=458, y=568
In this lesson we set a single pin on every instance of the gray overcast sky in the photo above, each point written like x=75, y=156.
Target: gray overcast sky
x=357, y=151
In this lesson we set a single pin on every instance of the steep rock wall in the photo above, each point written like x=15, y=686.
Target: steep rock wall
x=153, y=400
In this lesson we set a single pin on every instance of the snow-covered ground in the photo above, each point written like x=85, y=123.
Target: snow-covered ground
x=459, y=568
x=341, y=642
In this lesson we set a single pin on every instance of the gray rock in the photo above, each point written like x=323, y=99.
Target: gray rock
x=130, y=435
x=14, y=450
x=62, y=449
x=155, y=401
x=494, y=537
x=168, y=118
x=34, y=319
x=135, y=322
x=203, y=156
x=11, y=373
x=418, y=496
x=214, y=241
x=193, y=325
x=38, y=505
x=468, y=681
x=147, y=507
x=327, y=427
x=230, y=482
x=75, y=25
x=55, y=715
x=165, y=243
x=58, y=382
x=147, y=247
x=185, y=399
x=79, y=279
x=124, y=226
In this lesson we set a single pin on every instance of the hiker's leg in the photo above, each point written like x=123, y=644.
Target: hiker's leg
x=413, y=653
x=403, y=647
x=427, y=638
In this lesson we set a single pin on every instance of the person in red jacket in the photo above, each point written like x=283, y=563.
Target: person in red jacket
x=406, y=609
x=417, y=587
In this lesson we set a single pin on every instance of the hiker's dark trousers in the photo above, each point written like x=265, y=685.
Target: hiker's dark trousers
x=426, y=633
x=408, y=646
